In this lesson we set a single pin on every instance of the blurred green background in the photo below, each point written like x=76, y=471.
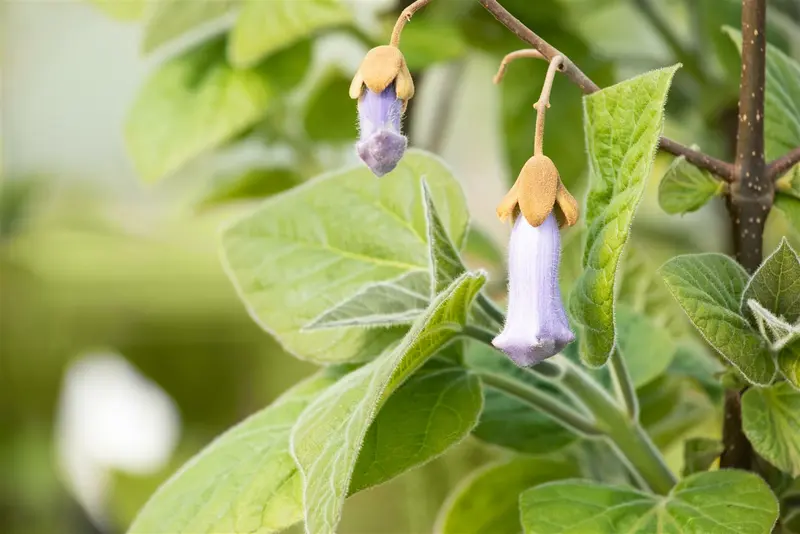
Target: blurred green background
x=99, y=268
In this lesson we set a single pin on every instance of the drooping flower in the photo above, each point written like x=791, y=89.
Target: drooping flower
x=381, y=144
x=536, y=323
x=383, y=86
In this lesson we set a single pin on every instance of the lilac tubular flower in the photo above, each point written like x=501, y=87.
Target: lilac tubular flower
x=536, y=326
x=381, y=144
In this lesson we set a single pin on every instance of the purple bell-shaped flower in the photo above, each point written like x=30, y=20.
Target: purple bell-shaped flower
x=536, y=324
x=381, y=144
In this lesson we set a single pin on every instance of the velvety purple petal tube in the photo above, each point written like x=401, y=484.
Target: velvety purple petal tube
x=536, y=324
x=381, y=144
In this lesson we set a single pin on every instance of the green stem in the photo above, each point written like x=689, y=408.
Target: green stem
x=491, y=309
x=543, y=402
x=623, y=431
x=623, y=385
x=625, y=434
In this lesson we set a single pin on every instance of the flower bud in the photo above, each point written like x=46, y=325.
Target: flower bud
x=381, y=144
x=536, y=324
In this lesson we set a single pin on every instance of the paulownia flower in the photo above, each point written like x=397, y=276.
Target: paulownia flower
x=383, y=86
x=536, y=324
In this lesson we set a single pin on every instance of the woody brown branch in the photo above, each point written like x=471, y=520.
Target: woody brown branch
x=718, y=167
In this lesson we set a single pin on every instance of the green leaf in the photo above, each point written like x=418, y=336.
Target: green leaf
x=647, y=349
x=429, y=41
x=487, y=501
x=623, y=124
x=507, y=421
x=671, y=407
x=263, y=28
x=169, y=20
x=781, y=110
x=426, y=416
x=692, y=360
x=699, y=454
x=311, y=248
x=643, y=290
x=330, y=113
x=686, y=188
x=723, y=502
x=245, y=481
x=398, y=301
x=709, y=288
x=445, y=260
x=789, y=363
x=776, y=286
x=329, y=434
x=124, y=10
x=771, y=421
x=251, y=184
x=191, y=105
x=790, y=208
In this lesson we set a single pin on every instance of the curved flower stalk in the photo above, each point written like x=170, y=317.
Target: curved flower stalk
x=536, y=326
x=383, y=87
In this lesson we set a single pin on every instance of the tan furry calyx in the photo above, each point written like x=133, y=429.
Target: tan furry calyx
x=537, y=188
x=381, y=66
x=567, y=210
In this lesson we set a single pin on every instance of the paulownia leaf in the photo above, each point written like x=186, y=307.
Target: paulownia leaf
x=647, y=349
x=789, y=363
x=125, y=10
x=686, y=188
x=776, y=285
x=248, y=185
x=623, y=124
x=329, y=434
x=709, y=288
x=169, y=20
x=245, y=481
x=724, y=502
x=196, y=102
x=445, y=260
x=433, y=411
x=771, y=421
x=310, y=249
x=330, y=113
x=396, y=302
x=264, y=27
x=699, y=454
x=487, y=501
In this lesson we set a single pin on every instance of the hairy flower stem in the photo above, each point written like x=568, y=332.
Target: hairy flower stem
x=623, y=385
x=543, y=103
x=608, y=421
x=623, y=431
x=405, y=17
x=544, y=402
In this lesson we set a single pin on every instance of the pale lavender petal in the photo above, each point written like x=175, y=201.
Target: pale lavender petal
x=536, y=324
x=381, y=144
x=382, y=151
x=379, y=112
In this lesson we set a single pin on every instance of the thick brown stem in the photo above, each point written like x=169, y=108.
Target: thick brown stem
x=751, y=196
x=575, y=75
x=752, y=191
x=778, y=167
x=738, y=452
